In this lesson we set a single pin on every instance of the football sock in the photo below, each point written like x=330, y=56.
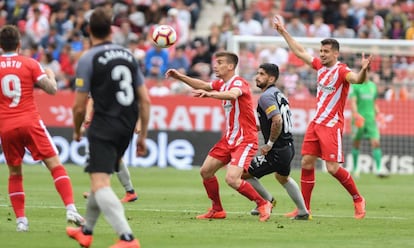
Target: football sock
x=248, y=191
x=259, y=188
x=63, y=184
x=307, y=182
x=355, y=155
x=212, y=188
x=113, y=210
x=124, y=177
x=377, y=154
x=16, y=195
x=346, y=180
x=292, y=188
x=92, y=213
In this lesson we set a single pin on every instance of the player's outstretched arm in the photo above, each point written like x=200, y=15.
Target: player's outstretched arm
x=296, y=48
x=361, y=76
x=48, y=83
x=193, y=82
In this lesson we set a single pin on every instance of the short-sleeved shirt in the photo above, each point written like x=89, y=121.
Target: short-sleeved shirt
x=18, y=75
x=239, y=113
x=111, y=74
x=332, y=93
x=273, y=102
x=365, y=95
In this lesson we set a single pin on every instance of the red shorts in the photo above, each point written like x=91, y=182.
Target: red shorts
x=239, y=155
x=324, y=142
x=35, y=138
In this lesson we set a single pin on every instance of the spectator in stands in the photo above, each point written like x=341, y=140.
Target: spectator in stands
x=386, y=71
x=179, y=61
x=342, y=31
x=80, y=23
x=179, y=25
x=43, y=8
x=369, y=30
x=159, y=89
x=345, y=15
x=290, y=80
x=63, y=22
x=396, y=31
x=53, y=37
x=301, y=92
x=318, y=28
x=409, y=33
x=395, y=14
x=268, y=22
x=382, y=7
x=26, y=41
x=227, y=26
x=360, y=8
x=156, y=61
x=275, y=55
x=202, y=56
x=184, y=14
x=214, y=41
x=137, y=21
x=377, y=19
x=67, y=62
x=248, y=25
x=37, y=26
x=18, y=12
x=123, y=34
x=47, y=61
x=194, y=6
x=295, y=27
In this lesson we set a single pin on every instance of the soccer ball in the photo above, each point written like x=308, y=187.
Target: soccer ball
x=164, y=36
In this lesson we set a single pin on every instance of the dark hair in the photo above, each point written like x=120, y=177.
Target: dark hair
x=9, y=38
x=100, y=23
x=270, y=69
x=329, y=41
x=231, y=58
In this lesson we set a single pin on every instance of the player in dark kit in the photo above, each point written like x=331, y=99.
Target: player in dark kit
x=278, y=151
x=111, y=75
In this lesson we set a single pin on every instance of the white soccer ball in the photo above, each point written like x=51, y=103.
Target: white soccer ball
x=164, y=36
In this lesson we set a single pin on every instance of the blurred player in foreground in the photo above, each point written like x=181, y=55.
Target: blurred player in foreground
x=323, y=137
x=123, y=174
x=278, y=152
x=110, y=75
x=22, y=127
x=365, y=112
x=238, y=145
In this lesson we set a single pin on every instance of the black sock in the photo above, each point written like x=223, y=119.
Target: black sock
x=86, y=231
x=127, y=237
x=131, y=191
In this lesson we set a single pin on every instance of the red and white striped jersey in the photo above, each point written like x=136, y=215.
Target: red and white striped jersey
x=240, y=118
x=332, y=93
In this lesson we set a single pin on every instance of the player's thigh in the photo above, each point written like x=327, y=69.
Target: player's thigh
x=40, y=143
x=331, y=143
x=103, y=156
x=357, y=133
x=243, y=154
x=372, y=131
x=311, y=145
x=13, y=146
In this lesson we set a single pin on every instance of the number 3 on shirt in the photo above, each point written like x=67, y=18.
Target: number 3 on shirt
x=11, y=88
x=122, y=74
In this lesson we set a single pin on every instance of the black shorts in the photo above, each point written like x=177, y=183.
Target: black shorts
x=277, y=160
x=104, y=155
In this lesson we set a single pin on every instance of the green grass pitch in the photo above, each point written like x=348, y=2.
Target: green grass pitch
x=163, y=216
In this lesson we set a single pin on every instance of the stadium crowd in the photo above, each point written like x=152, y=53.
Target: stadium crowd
x=54, y=32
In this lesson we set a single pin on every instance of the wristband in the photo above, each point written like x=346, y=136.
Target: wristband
x=270, y=143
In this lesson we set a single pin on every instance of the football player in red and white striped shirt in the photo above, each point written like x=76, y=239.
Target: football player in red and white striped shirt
x=239, y=142
x=323, y=137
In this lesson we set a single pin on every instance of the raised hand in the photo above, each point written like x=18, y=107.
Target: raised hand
x=365, y=62
x=278, y=24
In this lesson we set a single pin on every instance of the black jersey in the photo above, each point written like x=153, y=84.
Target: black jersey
x=111, y=74
x=273, y=102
